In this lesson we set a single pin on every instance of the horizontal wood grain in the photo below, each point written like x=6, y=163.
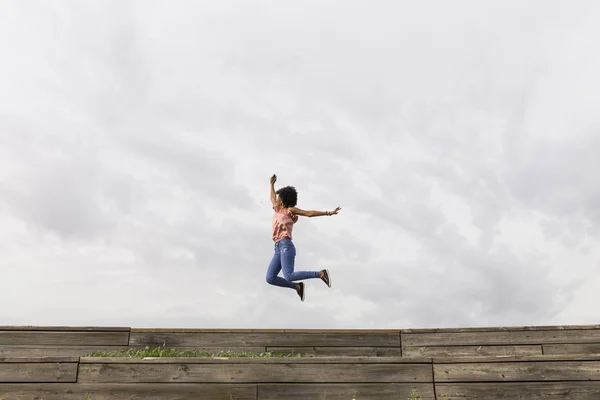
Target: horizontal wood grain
x=66, y=338
x=500, y=338
x=517, y=358
x=340, y=351
x=552, y=362
x=471, y=351
x=256, y=360
x=254, y=373
x=360, y=391
x=128, y=391
x=65, y=328
x=38, y=372
x=573, y=348
x=518, y=371
x=268, y=331
x=81, y=351
x=519, y=391
x=501, y=329
x=211, y=339
x=50, y=359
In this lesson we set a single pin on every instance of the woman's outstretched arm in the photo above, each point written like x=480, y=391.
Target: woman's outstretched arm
x=313, y=213
x=273, y=197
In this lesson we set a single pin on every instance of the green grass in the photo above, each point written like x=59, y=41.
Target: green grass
x=163, y=351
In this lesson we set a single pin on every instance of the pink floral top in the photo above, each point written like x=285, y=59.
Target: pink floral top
x=282, y=223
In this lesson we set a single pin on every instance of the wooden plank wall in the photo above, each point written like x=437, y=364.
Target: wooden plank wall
x=307, y=341
x=503, y=341
x=558, y=362
x=534, y=377
x=468, y=342
x=60, y=341
x=236, y=378
x=489, y=378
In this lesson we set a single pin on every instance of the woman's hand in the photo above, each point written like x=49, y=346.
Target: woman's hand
x=334, y=212
x=273, y=196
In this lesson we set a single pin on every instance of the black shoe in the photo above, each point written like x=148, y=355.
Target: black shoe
x=326, y=278
x=301, y=291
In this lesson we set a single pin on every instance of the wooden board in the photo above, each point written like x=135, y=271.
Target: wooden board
x=500, y=338
x=588, y=348
x=388, y=391
x=38, y=372
x=66, y=328
x=51, y=351
x=340, y=351
x=519, y=391
x=21, y=360
x=518, y=371
x=268, y=331
x=471, y=351
x=502, y=359
x=76, y=391
x=503, y=328
x=253, y=373
x=70, y=338
x=46, y=350
x=201, y=339
x=258, y=360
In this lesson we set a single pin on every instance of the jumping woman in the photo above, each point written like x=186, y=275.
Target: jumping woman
x=286, y=215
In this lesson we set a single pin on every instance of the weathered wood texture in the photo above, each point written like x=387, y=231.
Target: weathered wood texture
x=65, y=328
x=20, y=360
x=37, y=370
x=519, y=371
x=586, y=348
x=471, y=351
x=391, y=391
x=340, y=351
x=252, y=371
x=54, y=351
x=561, y=362
x=519, y=391
x=503, y=328
x=256, y=360
x=500, y=337
x=261, y=360
x=515, y=341
x=499, y=359
x=266, y=339
x=81, y=351
x=268, y=331
x=64, y=338
x=79, y=391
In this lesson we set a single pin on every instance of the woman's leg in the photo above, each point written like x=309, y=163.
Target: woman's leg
x=288, y=256
x=273, y=271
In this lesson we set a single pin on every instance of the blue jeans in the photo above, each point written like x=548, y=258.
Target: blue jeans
x=283, y=259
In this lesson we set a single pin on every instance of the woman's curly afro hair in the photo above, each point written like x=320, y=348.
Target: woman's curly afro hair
x=288, y=196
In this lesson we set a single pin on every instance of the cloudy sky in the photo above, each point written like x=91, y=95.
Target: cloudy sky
x=461, y=140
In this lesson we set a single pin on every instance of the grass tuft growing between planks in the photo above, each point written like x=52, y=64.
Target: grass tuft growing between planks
x=163, y=351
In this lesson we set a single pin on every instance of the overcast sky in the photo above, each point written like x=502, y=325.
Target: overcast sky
x=461, y=140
